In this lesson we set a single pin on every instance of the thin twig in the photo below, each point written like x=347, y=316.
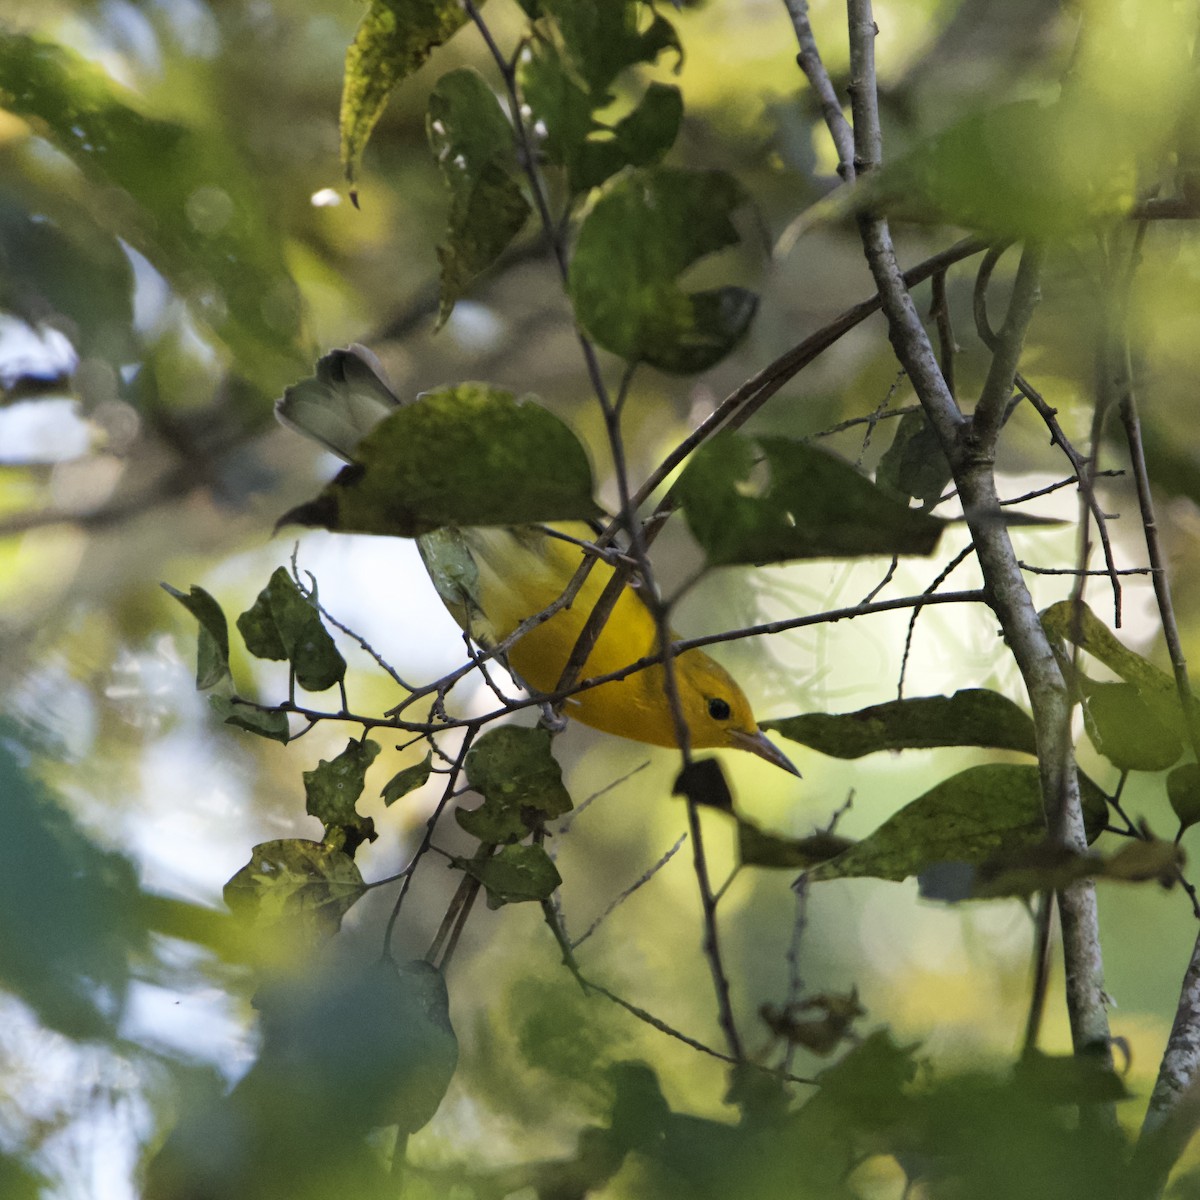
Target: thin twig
x=569, y=961
x=1037, y=493
x=941, y=578
x=809, y=61
x=635, y=886
x=750, y=396
x=564, y=826
x=427, y=838
x=1076, y=571
x=1040, y=986
x=1086, y=473
x=766, y=629
x=940, y=310
x=1006, y=349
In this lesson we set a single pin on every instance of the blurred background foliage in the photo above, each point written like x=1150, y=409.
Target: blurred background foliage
x=176, y=247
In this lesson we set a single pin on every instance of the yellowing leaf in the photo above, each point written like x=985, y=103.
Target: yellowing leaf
x=393, y=39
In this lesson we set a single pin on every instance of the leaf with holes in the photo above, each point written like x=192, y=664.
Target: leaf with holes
x=332, y=790
x=306, y=887
x=284, y=623
x=520, y=782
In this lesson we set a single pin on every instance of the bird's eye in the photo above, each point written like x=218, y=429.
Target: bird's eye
x=718, y=709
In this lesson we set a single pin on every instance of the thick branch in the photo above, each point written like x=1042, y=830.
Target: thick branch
x=971, y=455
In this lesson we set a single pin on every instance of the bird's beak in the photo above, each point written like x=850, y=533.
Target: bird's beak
x=758, y=743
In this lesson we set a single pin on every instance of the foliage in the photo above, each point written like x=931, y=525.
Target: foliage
x=150, y=242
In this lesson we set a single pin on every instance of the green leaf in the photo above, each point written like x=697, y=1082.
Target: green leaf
x=392, y=40
x=520, y=781
x=63, y=268
x=257, y=625
x=647, y=228
x=190, y=205
x=212, y=654
x=1047, y=867
x=472, y=141
x=566, y=111
x=972, y=717
x=1126, y=730
x=332, y=789
x=345, y=1046
x=514, y=874
x=466, y=455
x=19, y=1181
x=351, y=1048
x=1068, y=1078
x=914, y=464
x=575, y=139
x=1183, y=791
x=604, y=39
x=869, y=1082
x=703, y=782
x=1022, y=170
x=650, y=130
x=757, y=848
x=1085, y=630
x=407, y=780
x=971, y=817
x=71, y=923
x=273, y=725
x=771, y=499
x=284, y=623
x=303, y=886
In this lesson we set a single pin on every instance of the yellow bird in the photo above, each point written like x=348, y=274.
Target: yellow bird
x=516, y=573
x=493, y=578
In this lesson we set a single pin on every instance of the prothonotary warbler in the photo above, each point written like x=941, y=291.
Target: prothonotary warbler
x=493, y=578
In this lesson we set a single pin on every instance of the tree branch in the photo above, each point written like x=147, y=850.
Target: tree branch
x=809, y=61
x=971, y=452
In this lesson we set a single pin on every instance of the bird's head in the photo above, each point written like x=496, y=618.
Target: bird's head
x=717, y=713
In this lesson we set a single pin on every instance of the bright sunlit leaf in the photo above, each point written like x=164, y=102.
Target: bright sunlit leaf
x=302, y=886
